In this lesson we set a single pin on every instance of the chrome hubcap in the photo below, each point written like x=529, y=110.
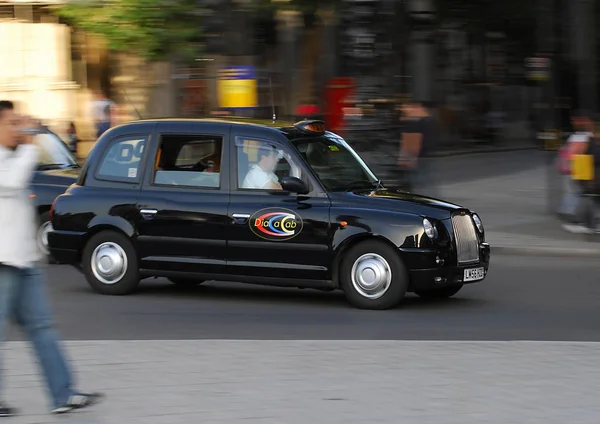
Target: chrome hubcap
x=371, y=275
x=42, y=236
x=109, y=263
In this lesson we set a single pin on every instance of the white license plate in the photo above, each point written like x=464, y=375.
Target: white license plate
x=474, y=274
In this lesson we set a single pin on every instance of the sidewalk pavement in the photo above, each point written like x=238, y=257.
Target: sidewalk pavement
x=515, y=215
x=300, y=382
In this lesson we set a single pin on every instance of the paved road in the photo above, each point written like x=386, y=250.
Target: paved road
x=485, y=165
x=522, y=299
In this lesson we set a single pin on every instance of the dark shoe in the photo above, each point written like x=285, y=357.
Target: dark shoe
x=78, y=401
x=6, y=411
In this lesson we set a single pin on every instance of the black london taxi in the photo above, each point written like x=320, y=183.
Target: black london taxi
x=295, y=206
x=57, y=169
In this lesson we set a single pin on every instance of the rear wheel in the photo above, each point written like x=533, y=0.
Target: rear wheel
x=439, y=293
x=185, y=283
x=110, y=264
x=373, y=276
x=44, y=226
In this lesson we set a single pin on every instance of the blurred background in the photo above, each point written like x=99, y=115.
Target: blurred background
x=498, y=72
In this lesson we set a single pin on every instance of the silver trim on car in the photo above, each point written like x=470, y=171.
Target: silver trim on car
x=467, y=243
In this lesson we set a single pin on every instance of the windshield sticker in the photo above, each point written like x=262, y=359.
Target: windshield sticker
x=132, y=173
x=275, y=224
x=334, y=148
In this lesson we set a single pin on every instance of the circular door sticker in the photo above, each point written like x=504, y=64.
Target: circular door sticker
x=275, y=224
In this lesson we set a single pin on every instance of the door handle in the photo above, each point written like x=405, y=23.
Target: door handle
x=148, y=213
x=240, y=218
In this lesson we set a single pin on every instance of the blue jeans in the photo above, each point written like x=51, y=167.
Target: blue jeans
x=423, y=179
x=101, y=128
x=23, y=297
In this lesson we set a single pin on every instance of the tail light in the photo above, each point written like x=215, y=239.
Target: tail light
x=51, y=212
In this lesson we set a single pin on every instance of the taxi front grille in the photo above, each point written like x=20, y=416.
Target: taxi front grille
x=467, y=244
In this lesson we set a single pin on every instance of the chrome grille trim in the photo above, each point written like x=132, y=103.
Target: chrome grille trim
x=467, y=243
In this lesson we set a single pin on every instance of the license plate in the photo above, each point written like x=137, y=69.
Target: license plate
x=474, y=274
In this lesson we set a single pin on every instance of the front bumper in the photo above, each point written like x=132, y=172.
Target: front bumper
x=429, y=273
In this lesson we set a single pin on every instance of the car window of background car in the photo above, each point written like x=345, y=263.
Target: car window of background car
x=189, y=160
x=122, y=161
x=247, y=151
x=53, y=151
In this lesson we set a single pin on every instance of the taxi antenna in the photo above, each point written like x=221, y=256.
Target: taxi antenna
x=131, y=103
x=272, y=101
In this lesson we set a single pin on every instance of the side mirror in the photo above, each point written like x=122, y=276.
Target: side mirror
x=294, y=185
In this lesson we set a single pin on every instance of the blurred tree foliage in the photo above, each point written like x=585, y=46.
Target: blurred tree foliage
x=157, y=29
x=153, y=29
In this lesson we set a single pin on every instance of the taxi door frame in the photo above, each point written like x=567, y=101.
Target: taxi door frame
x=281, y=269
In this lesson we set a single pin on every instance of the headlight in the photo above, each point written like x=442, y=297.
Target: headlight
x=430, y=230
x=477, y=222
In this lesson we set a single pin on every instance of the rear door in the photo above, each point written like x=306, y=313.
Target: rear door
x=182, y=208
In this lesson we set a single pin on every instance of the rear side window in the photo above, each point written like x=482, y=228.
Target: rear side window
x=123, y=160
x=186, y=160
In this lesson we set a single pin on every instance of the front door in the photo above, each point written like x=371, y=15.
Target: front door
x=183, y=203
x=271, y=233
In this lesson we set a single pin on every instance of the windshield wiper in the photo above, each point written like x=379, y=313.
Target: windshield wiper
x=379, y=185
x=50, y=166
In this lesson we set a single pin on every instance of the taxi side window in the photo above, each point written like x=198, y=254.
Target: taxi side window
x=122, y=161
x=261, y=165
x=189, y=161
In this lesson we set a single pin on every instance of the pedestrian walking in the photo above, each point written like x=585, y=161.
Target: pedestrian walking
x=101, y=112
x=418, y=140
x=23, y=296
x=588, y=209
x=577, y=144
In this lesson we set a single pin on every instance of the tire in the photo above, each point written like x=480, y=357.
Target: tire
x=42, y=236
x=441, y=293
x=110, y=243
x=185, y=283
x=373, y=254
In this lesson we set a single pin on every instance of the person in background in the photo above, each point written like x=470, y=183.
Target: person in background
x=577, y=144
x=587, y=211
x=418, y=140
x=73, y=139
x=23, y=295
x=101, y=107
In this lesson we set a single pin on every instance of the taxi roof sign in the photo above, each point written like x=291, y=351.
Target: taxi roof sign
x=311, y=126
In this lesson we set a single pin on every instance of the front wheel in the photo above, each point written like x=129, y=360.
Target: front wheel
x=373, y=276
x=439, y=293
x=110, y=264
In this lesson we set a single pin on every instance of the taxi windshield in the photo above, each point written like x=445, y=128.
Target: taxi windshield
x=54, y=153
x=336, y=164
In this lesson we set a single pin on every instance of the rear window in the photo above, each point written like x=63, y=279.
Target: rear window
x=122, y=160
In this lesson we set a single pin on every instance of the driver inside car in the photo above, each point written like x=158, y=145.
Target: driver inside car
x=261, y=175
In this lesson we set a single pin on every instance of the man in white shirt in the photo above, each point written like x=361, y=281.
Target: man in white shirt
x=22, y=284
x=101, y=106
x=261, y=175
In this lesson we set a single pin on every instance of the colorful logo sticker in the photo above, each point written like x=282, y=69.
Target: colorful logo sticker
x=275, y=224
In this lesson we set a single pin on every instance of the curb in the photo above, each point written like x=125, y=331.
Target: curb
x=481, y=151
x=562, y=252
